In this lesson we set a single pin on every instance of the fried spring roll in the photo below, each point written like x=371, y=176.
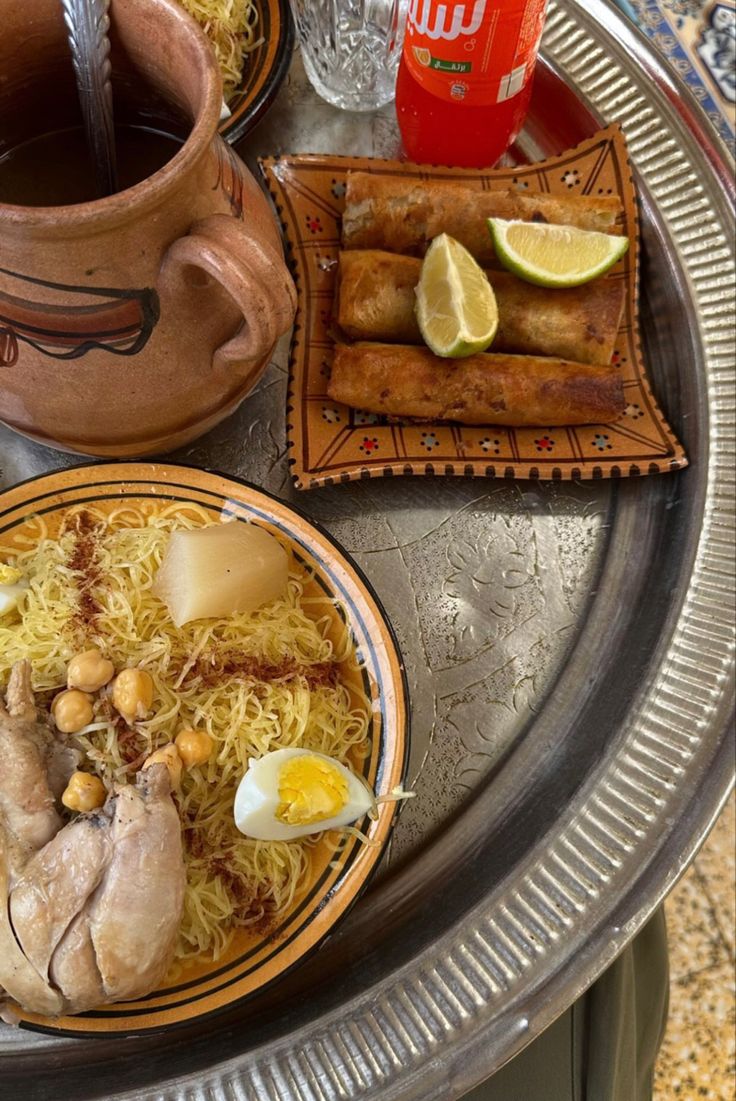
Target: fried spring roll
x=375, y=301
x=374, y=296
x=483, y=389
x=403, y=215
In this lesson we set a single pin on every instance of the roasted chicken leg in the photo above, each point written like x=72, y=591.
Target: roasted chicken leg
x=89, y=911
x=36, y=767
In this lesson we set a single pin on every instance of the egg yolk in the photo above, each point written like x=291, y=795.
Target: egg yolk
x=310, y=790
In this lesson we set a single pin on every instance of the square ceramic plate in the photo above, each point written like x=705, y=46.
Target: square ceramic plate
x=330, y=443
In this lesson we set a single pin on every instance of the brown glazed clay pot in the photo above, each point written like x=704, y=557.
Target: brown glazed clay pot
x=134, y=323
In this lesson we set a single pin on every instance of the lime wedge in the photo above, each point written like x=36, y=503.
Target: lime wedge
x=456, y=306
x=554, y=256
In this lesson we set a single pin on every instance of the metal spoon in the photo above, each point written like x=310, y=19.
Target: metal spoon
x=88, y=23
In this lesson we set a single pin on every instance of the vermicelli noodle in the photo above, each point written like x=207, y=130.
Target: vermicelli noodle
x=232, y=28
x=253, y=682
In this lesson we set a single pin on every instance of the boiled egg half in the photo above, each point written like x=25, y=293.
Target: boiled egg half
x=290, y=793
x=13, y=588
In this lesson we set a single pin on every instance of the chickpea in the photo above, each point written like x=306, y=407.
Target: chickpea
x=71, y=710
x=84, y=792
x=89, y=671
x=132, y=694
x=168, y=755
x=195, y=747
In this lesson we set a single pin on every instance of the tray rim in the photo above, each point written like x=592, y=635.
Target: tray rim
x=451, y=1048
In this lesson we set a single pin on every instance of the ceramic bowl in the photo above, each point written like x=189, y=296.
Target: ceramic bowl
x=265, y=69
x=340, y=594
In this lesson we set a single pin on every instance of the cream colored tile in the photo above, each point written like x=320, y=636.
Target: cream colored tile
x=696, y=1062
x=716, y=865
x=697, y=1057
x=693, y=932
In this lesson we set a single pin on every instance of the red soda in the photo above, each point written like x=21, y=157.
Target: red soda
x=465, y=78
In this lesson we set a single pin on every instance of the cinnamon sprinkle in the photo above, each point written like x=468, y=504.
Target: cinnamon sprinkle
x=194, y=842
x=131, y=745
x=83, y=561
x=252, y=907
x=213, y=670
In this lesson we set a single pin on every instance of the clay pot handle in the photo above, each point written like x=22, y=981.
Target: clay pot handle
x=252, y=272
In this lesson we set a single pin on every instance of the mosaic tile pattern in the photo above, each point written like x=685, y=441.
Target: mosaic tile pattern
x=697, y=1060
x=698, y=38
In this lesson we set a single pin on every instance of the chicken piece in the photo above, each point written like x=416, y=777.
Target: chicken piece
x=135, y=914
x=18, y=976
x=56, y=885
x=89, y=912
x=97, y=910
x=26, y=801
x=36, y=768
x=122, y=941
x=74, y=968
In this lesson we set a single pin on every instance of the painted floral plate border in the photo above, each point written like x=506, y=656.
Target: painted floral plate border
x=329, y=443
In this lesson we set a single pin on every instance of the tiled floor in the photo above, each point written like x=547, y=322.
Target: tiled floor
x=697, y=1060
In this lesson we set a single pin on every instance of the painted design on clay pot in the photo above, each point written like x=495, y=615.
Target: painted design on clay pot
x=121, y=324
x=200, y=212
x=229, y=177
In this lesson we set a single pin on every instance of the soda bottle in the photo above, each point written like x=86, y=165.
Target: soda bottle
x=465, y=78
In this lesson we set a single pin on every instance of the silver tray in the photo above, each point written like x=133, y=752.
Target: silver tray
x=569, y=651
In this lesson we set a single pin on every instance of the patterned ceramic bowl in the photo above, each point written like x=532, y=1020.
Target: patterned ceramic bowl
x=265, y=70
x=338, y=595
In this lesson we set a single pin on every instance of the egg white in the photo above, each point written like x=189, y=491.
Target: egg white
x=257, y=799
x=11, y=596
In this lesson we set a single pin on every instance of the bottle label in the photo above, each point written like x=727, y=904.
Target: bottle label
x=476, y=52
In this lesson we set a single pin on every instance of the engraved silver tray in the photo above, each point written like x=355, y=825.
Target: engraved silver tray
x=570, y=657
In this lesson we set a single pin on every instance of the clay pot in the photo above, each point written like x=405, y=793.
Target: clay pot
x=133, y=323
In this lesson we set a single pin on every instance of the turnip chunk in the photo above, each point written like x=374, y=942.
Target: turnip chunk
x=213, y=572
